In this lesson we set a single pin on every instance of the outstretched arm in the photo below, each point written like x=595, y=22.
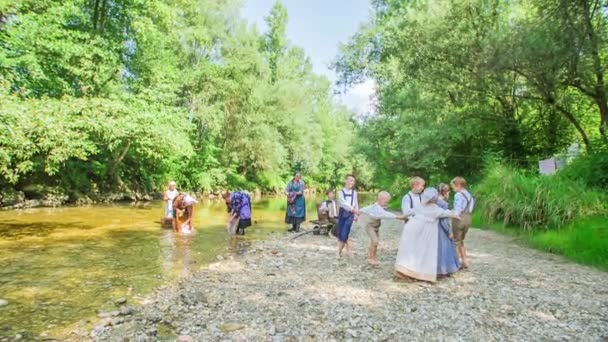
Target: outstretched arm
x=449, y=213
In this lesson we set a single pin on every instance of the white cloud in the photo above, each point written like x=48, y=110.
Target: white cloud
x=361, y=98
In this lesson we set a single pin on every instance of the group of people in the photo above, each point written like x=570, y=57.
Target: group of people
x=431, y=244
x=179, y=208
x=432, y=241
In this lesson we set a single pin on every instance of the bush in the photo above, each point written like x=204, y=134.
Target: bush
x=590, y=170
x=531, y=201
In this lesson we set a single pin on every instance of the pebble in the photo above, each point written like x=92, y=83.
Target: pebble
x=126, y=311
x=230, y=327
x=120, y=301
x=304, y=293
x=3, y=302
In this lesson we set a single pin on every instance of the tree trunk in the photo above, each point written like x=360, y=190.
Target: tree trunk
x=102, y=17
x=512, y=145
x=576, y=125
x=95, y=14
x=552, y=131
x=116, y=162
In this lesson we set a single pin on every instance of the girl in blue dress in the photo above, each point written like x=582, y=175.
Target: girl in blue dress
x=447, y=261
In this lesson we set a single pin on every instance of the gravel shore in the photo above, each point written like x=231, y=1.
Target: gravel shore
x=294, y=290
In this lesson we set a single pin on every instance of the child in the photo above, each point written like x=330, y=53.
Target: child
x=412, y=198
x=373, y=215
x=239, y=211
x=169, y=196
x=417, y=253
x=330, y=207
x=349, y=211
x=463, y=205
x=183, y=205
x=447, y=261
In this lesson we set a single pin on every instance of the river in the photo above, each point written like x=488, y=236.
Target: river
x=60, y=266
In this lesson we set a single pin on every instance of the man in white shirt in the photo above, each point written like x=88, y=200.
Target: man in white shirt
x=412, y=198
x=463, y=205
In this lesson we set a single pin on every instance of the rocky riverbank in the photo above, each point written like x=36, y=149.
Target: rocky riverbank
x=44, y=196
x=284, y=289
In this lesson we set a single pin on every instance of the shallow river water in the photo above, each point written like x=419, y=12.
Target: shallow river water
x=59, y=266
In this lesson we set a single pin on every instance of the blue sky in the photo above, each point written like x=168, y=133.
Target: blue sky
x=319, y=26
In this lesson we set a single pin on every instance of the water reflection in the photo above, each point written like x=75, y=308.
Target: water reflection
x=61, y=265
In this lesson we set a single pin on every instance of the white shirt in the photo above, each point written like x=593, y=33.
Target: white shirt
x=171, y=194
x=409, y=202
x=377, y=211
x=460, y=201
x=345, y=202
x=331, y=209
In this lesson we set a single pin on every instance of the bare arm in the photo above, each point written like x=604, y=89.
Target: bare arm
x=449, y=213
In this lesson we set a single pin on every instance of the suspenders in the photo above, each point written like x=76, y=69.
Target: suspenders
x=412, y=200
x=466, y=208
x=351, y=195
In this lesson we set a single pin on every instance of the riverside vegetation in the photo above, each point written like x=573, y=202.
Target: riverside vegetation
x=464, y=84
x=111, y=99
x=107, y=100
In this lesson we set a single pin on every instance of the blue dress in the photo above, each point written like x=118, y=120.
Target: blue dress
x=447, y=261
x=296, y=211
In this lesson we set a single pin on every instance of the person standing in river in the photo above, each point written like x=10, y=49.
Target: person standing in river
x=239, y=211
x=296, y=204
x=183, y=205
x=168, y=197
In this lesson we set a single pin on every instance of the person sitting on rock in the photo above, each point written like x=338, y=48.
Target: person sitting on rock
x=330, y=207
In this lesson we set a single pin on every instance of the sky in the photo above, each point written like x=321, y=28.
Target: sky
x=319, y=26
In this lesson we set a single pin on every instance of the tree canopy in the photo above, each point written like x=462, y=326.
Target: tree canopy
x=100, y=95
x=458, y=80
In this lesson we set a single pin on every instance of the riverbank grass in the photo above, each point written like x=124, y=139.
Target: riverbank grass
x=584, y=241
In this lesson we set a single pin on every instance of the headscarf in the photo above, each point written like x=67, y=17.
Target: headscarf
x=429, y=194
x=189, y=200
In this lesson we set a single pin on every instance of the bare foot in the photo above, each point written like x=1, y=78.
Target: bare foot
x=372, y=262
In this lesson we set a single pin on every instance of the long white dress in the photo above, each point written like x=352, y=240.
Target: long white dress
x=417, y=254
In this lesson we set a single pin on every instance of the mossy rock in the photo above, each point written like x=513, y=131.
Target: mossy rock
x=11, y=197
x=36, y=191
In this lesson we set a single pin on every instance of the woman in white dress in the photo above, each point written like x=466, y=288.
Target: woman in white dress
x=417, y=254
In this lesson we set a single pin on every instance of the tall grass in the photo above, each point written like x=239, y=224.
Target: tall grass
x=584, y=241
x=530, y=201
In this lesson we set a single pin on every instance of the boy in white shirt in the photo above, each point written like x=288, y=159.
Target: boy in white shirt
x=373, y=215
x=463, y=205
x=412, y=198
x=348, y=213
x=330, y=207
